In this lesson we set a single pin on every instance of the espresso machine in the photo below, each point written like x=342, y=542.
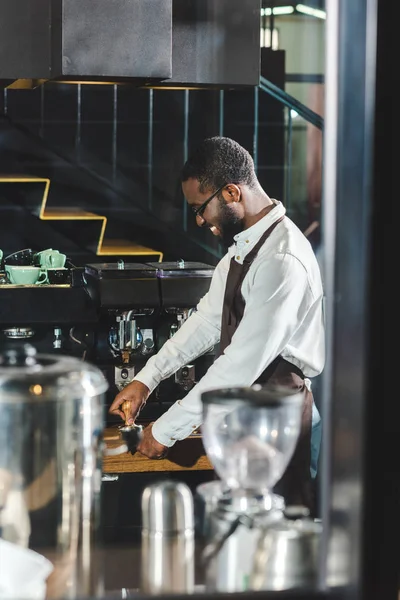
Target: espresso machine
x=140, y=306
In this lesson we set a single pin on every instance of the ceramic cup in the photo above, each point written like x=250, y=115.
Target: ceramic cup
x=21, y=275
x=40, y=257
x=20, y=258
x=57, y=260
x=50, y=259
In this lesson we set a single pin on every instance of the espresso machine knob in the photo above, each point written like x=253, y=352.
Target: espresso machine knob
x=185, y=377
x=124, y=374
x=173, y=329
x=147, y=346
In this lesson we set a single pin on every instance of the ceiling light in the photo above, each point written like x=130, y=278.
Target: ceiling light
x=278, y=10
x=312, y=12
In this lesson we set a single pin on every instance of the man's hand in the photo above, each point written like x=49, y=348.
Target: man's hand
x=149, y=446
x=129, y=402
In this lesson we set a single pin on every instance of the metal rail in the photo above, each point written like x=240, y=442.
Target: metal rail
x=291, y=102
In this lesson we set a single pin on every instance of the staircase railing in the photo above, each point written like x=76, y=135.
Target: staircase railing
x=306, y=113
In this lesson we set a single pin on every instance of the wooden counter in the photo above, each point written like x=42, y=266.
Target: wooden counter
x=187, y=455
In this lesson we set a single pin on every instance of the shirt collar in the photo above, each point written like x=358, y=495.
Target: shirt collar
x=255, y=231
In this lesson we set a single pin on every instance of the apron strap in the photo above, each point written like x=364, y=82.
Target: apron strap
x=233, y=306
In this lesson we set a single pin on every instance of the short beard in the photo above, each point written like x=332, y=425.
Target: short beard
x=229, y=224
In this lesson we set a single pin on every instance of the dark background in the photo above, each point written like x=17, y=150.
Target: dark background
x=117, y=151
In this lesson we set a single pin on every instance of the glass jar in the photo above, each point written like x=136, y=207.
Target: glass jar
x=51, y=424
x=250, y=434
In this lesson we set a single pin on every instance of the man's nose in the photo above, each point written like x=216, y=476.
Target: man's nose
x=200, y=221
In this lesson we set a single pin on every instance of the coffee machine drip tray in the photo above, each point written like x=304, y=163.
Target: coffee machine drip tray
x=112, y=285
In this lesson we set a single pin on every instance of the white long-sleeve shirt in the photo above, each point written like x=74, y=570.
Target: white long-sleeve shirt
x=283, y=316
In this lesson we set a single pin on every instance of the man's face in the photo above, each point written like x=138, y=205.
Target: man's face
x=221, y=215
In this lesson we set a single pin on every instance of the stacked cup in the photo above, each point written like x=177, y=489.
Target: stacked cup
x=20, y=269
x=27, y=268
x=53, y=262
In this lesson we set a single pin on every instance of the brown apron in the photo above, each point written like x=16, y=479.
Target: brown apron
x=296, y=484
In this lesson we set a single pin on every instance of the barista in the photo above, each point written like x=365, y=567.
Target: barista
x=264, y=308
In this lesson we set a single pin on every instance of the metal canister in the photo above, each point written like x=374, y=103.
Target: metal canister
x=167, y=538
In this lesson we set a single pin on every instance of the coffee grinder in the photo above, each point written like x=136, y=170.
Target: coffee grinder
x=249, y=435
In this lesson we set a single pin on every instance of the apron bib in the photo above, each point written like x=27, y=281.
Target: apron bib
x=296, y=484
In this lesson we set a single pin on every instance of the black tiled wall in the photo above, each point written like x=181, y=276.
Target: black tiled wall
x=93, y=143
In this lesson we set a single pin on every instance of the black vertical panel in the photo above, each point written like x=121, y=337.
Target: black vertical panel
x=168, y=151
x=239, y=116
x=271, y=124
x=273, y=66
x=60, y=116
x=203, y=115
x=381, y=524
x=23, y=105
x=133, y=125
x=97, y=113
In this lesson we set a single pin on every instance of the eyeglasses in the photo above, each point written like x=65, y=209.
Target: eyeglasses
x=198, y=212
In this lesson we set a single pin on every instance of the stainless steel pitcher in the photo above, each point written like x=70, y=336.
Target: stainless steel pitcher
x=286, y=555
x=51, y=424
x=233, y=530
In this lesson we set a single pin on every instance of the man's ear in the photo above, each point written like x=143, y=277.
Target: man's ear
x=232, y=193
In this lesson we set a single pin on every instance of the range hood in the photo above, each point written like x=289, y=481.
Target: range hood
x=166, y=43
x=85, y=40
x=215, y=43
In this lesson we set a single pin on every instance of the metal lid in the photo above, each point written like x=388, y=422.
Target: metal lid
x=268, y=395
x=26, y=376
x=167, y=507
x=302, y=527
x=182, y=268
x=120, y=270
x=249, y=503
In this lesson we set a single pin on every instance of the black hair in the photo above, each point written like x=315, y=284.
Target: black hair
x=218, y=161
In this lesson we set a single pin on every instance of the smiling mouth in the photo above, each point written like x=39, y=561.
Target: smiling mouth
x=215, y=231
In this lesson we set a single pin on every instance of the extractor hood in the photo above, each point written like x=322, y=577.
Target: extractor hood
x=166, y=43
x=85, y=40
x=215, y=43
